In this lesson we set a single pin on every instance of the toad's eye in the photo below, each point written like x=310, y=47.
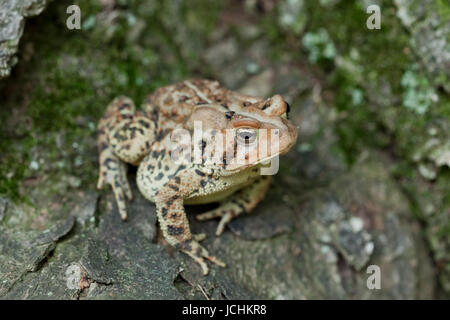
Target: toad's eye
x=246, y=136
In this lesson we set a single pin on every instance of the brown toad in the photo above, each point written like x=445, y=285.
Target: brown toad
x=167, y=174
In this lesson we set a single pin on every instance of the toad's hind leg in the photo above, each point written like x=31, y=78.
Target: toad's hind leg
x=243, y=201
x=124, y=136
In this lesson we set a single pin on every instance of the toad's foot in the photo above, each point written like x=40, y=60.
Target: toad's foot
x=199, y=237
x=226, y=212
x=243, y=201
x=199, y=254
x=113, y=171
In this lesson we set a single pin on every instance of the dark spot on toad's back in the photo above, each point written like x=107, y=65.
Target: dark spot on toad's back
x=201, y=174
x=175, y=231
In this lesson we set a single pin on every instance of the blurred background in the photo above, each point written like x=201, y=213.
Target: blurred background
x=368, y=181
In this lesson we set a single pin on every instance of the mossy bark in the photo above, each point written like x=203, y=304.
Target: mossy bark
x=367, y=182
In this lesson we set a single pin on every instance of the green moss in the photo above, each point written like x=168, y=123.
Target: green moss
x=361, y=62
x=66, y=78
x=385, y=98
x=418, y=94
x=319, y=46
x=443, y=8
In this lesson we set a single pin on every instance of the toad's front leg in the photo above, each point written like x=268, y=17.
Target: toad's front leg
x=243, y=201
x=173, y=220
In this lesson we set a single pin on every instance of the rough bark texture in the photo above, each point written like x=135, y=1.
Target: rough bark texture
x=12, y=21
x=366, y=184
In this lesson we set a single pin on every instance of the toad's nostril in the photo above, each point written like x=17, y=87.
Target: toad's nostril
x=229, y=114
x=288, y=109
